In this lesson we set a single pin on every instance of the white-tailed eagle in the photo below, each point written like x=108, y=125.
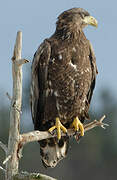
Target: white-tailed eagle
x=63, y=79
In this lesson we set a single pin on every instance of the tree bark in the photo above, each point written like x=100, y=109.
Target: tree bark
x=15, y=109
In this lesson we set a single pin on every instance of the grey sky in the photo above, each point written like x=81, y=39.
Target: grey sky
x=36, y=19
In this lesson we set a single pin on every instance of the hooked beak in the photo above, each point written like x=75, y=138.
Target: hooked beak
x=90, y=20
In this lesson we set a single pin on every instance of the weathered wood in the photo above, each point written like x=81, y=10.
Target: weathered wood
x=40, y=135
x=32, y=176
x=12, y=152
x=15, y=109
x=4, y=147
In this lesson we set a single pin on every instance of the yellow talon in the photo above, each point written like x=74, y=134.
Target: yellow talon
x=78, y=125
x=59, y=127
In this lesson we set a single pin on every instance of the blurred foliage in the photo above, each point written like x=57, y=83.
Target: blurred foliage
x=95, y=157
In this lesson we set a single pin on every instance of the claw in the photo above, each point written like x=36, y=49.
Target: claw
x=59, y=127
x=78, y=125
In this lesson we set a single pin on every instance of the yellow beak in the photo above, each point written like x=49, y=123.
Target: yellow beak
x=91, y=21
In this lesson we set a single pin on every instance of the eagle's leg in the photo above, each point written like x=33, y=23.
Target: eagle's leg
x=78, y=125
x=59, y=127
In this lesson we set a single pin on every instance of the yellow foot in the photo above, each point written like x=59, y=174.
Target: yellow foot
x=78, y=125
x=59, y=127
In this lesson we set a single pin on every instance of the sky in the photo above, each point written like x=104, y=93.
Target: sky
x=36, y=19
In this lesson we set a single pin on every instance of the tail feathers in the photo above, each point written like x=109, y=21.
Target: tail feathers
x=53, y=151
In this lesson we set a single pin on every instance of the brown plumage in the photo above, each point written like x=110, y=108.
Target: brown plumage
x=63, y=79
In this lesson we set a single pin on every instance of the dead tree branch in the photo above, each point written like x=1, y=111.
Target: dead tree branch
x=17, y=62
x=16, y=140
x=9, y=97
x=12, y=156
x=40, y=135
x=4, y=147
x=32, y=176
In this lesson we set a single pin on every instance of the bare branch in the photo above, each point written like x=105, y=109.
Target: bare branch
x=3, y=146
x=7, y=159
x=17, y=47
x=9, y=97
x=32, y=176
x=14, y=145
x=40, y=135
x=95, y=123
x=2, y=169
x=15, y=111
x=21, y=62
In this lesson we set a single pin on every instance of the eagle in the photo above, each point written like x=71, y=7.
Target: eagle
x=62, y=82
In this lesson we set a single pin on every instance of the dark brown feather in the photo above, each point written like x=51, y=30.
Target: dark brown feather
x=63, y=79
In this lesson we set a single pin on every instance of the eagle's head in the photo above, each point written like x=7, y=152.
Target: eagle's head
x=75, y=18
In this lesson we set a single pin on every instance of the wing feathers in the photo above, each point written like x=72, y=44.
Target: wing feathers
x=94, y=72
x=39, y=80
